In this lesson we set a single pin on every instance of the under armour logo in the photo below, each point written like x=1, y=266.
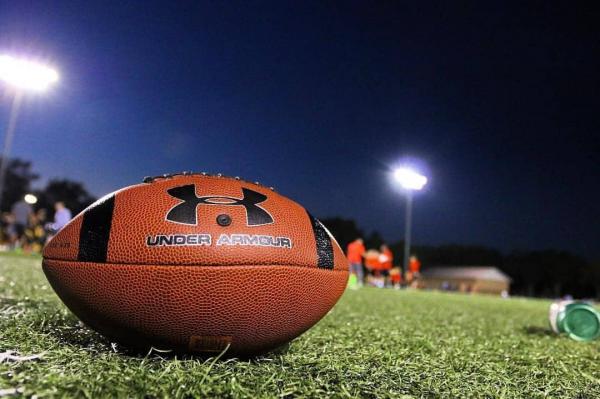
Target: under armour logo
x=186, y=212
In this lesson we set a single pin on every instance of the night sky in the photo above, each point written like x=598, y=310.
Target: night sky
x=498, y=104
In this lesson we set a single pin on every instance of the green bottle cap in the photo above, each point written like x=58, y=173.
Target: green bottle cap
x=581, y=322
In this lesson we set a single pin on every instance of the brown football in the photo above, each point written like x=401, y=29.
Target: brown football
x=197, y=263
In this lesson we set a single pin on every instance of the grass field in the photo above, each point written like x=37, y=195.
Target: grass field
x=375, y=343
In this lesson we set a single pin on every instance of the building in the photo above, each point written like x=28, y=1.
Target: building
x=477, y=279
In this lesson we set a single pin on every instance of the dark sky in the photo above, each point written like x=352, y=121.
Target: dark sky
x=497, y=103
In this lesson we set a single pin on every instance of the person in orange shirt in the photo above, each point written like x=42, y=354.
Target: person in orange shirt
x=396, y=277
x=372, y=261
x=414, y=267
x=373, y=267
x=386, y=259
x=355, y=253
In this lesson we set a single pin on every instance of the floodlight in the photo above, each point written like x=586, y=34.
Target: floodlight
x=409, y=179
x=30, y=199
x=25, y=74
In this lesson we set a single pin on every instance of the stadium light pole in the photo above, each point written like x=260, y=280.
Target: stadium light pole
x=24, y=76
x=410, y=181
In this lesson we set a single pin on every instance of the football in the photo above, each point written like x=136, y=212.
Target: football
x=197, y=263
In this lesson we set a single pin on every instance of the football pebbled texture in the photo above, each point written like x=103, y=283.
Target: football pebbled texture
x=197, y=263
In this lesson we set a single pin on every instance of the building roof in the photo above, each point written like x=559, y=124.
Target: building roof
x=488, y=273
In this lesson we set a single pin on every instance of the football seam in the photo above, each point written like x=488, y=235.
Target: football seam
x=196, y=265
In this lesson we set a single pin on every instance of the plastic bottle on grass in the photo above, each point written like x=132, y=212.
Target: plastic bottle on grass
x=579, y=320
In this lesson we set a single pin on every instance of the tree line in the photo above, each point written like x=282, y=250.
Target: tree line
x=20, y=178
x=547, y=273
x=543, y=273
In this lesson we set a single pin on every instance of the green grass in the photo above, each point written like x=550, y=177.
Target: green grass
x=375, y=343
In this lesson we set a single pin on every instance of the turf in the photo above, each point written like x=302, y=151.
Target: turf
x=375, y=343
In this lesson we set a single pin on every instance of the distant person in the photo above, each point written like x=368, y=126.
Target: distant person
x=414, y=265
x=35, y=234
x=373, y=264
x=62, y=216
x=396, y=277
x=386, y=259
x=414, y=269
x=9, y=233
x=41, y=216
x=355, y=253
x=20, y=210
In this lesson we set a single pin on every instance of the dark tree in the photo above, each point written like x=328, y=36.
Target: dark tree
x=461, y=255
x=592, y=277
x=450, y=255
x=523, y=269
x=72, y=193
x=344, y=230
x=548, y=273
x=374, y=240
x=17, y=182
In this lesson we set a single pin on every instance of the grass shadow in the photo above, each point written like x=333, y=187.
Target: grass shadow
x=70, y=331
x=182, y=355
x=67, y=330
x=539, y=331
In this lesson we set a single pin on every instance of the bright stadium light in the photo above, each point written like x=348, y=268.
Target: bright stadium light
x=30, y=199
x=410, y=181
x=25, y=74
